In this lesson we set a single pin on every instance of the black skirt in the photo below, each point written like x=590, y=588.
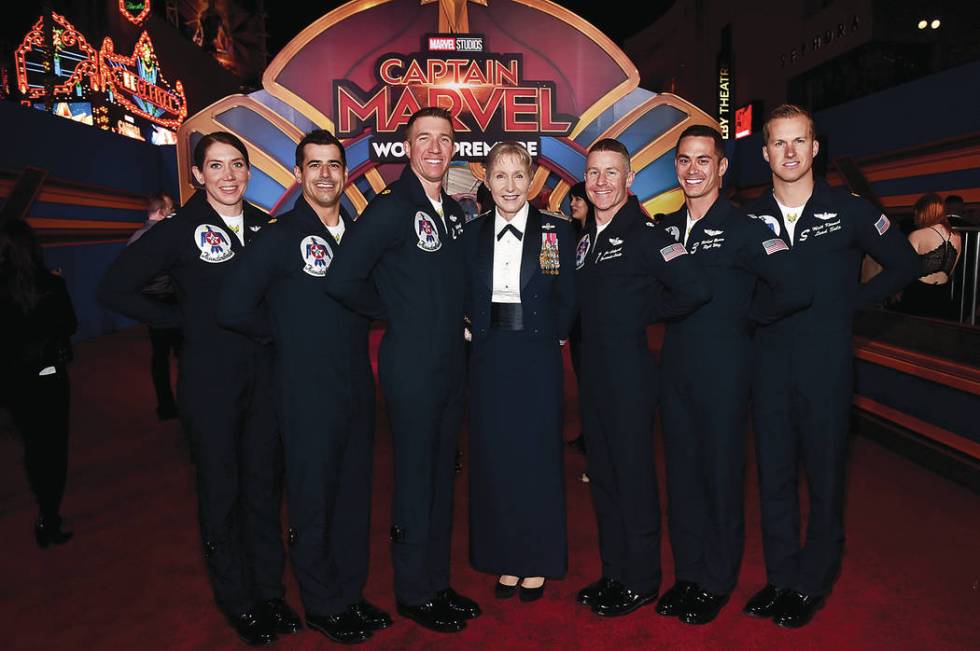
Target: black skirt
x=517, y=493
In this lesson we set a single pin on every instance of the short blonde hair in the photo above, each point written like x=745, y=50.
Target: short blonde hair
x=508, y=148
x=784, y=111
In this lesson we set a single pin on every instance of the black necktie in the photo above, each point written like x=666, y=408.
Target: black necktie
x=509, y=228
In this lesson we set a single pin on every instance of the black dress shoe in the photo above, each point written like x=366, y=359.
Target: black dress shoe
x=47, y=532
x=344, y=628
x=702, y=606
x=463, y=606
x=619, y=600
x=796, y=609
x=284, y=619
x=763, y=602
x=590, y=594
x=531, y=594
x=369, y=614
x=253, y=629
x=502, y=591
x=434, y=615
x=673, y=601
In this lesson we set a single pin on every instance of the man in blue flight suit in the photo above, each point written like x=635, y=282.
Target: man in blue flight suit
x=403, y=261
x=803, y=384
x=223, y=383
x=326, y=390
x=630, y=274
x=707, y=360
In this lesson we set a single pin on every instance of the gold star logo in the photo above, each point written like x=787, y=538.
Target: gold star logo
x=453, y=15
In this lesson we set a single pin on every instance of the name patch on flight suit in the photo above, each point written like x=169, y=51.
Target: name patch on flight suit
x=317, y=255
x=830, y=224
x=582, y=250
x=213, y=242
x=427, y=232
x=615, y=252
x=712, y=242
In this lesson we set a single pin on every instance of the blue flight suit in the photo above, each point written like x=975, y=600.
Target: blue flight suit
x=224, y=386
x=803, y=381
x=629, y=276
x=707, y=370
x=325, y=399
x=403, y=262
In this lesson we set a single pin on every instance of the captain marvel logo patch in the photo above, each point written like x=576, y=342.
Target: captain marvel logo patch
x=428, y=234
x=213, y=242
x=316, y=255
x=582, y=250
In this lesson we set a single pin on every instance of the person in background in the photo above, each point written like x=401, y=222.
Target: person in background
x=520, y=299
x=163, y=341
x=36, y=322
x=582, y=213
x=939, y=248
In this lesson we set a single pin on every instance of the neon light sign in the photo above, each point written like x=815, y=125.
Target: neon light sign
x=74, y=60
x=135, y=11
x=136, y=83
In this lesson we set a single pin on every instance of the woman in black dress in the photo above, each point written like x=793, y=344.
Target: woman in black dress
x=520, y=283
x=36, y=321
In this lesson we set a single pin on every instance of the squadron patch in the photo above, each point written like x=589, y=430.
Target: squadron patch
x=882, y=225
x=213, y=242
x=769, y=221
x=674, y=232
x=317, y=255
x=428, y=234
x=582, y=250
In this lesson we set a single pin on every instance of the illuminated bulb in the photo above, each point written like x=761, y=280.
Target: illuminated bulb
x=923, y=24
x=935, y=23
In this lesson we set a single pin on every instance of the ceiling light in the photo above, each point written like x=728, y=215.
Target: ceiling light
x=935, y=23
x=923, y=24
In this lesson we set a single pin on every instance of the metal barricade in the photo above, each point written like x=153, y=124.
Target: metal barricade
x=963, y=284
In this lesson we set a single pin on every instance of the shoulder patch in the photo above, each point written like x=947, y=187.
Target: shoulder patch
x=882, y=225
x=673, y=251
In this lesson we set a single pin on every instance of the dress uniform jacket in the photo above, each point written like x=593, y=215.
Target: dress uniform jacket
x=517, y=496
x=401, y=260
x=803, y=379
x=629, y=276
x=326, y=400
x=224, y=393
x=707, y=370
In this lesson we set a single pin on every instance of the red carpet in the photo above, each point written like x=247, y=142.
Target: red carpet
x=133, y=577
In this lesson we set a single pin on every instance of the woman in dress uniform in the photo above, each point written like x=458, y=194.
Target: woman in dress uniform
x=520, y=299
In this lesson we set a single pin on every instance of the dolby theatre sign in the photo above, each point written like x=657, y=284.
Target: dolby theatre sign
x=524, y=70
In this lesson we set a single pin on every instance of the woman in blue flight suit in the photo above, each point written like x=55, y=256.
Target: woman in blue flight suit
x=224, y=389
x=520, y=282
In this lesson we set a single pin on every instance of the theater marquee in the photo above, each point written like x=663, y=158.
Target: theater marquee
x=525, y=70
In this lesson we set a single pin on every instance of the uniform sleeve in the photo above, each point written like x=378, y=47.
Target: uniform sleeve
x=349, y=279
x=884, y=241
x=685, y=287
x=121, y=289
x=241, y=305
x=785, y=289
x=567, y=292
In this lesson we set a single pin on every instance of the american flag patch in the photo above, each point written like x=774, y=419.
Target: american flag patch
x=673, y=251
x=774, y=245
x=882, y=225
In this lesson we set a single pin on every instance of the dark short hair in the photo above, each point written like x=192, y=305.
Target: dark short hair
x=202, y=146
x=784, y=111
x=158, y=201
x=704, y=131
x=431, y=112
x=319, y=137
x=611, y=144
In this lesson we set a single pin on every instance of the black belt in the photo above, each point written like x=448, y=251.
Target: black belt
x=506, y=316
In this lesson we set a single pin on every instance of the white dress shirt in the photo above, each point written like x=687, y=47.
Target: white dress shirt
x=790, y=217
x=507, y=257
